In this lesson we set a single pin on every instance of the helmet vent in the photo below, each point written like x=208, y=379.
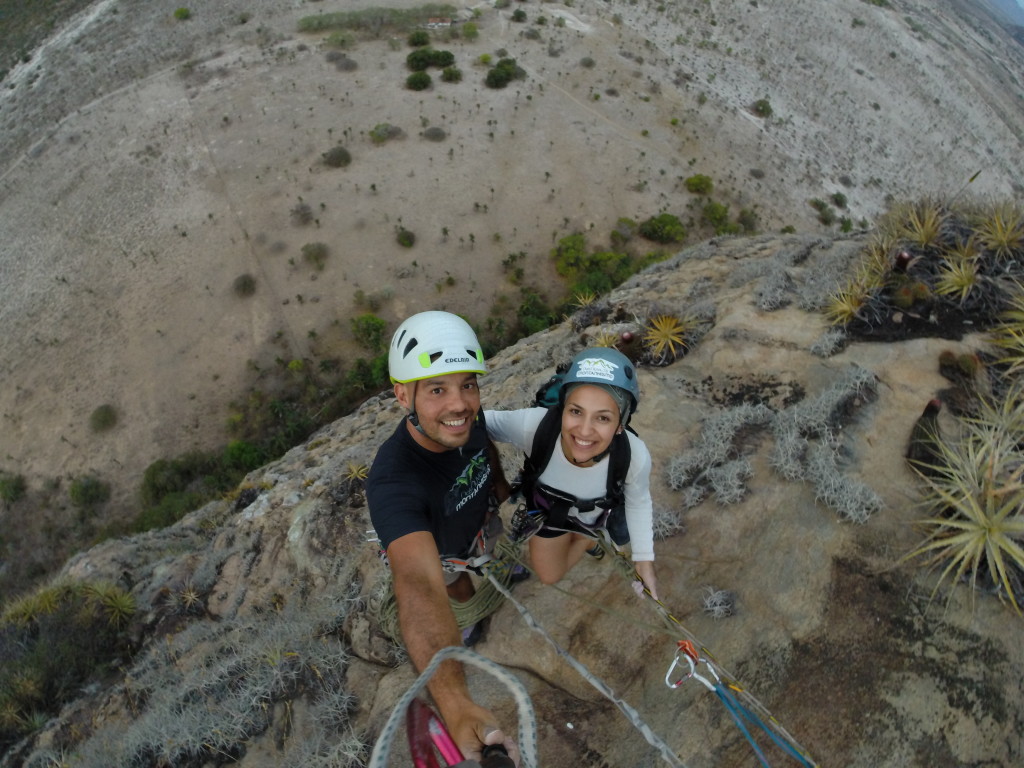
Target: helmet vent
x=408, y=347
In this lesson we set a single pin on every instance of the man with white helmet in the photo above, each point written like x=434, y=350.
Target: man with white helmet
x=431, y=493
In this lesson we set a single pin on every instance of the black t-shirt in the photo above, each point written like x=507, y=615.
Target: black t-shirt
x=412, y=489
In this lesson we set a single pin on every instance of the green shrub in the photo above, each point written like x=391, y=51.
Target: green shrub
x=103, y=418
x=418, y=38
x=369, y=331
x=181, y=14
x=315, y=254
x=418, y=81
x=243, y=455
x=503, y=73
x=519, y=15
x=88, y=491
x=244, y=285
x=839, y=200
x=405, y=238
x=420, y=59
x=451, y=75
x=383, y=132
x=338, y=40
x=717, y=215
x=664, y=228
x=762, y=108
x=368, y=375
x=337, y=157
x=470, y=31
x=12, y=487
x=699, y=184
x=533, y=313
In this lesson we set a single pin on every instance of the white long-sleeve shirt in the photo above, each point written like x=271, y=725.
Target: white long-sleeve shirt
x=518, y=427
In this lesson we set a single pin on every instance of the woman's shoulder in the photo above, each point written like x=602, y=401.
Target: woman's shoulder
x=639, y=455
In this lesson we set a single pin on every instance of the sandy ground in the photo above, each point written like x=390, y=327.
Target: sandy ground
x=146, y=163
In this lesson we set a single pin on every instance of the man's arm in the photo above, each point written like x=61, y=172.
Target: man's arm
x=428, y=625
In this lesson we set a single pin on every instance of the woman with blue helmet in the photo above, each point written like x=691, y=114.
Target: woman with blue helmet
x=574, y=495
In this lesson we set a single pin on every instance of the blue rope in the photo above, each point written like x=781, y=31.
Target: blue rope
x=739, y=712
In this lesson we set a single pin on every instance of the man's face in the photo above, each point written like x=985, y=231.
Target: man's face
x=446, y=407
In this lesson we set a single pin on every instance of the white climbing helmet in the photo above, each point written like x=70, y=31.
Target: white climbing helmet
x=434, y=343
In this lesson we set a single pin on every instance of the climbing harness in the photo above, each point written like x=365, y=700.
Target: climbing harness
x=740, y=714
x=485, y=601
x=527, y=736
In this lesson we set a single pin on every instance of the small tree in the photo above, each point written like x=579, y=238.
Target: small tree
x=470, y=31
x=181, y=14
x=451, y=75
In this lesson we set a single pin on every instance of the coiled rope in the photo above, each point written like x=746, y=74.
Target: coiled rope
x=485, y=601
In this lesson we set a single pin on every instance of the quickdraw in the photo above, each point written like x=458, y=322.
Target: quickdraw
x=741, y=715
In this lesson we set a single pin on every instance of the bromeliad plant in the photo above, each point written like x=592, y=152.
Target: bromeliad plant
x=664, y=338
x=975, y=495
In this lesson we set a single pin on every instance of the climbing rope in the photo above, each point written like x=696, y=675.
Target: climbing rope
x=631, y=714
x=527, y=737
x=730, y=691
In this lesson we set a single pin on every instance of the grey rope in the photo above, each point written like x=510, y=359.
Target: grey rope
x=527, y=719
x=631, y=714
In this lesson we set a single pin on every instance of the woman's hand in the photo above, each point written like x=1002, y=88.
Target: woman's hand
x=646, y=570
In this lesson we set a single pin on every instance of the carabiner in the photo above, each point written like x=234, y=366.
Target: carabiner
x=687, y=650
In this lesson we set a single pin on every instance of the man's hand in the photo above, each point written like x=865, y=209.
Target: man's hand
x=472, y=727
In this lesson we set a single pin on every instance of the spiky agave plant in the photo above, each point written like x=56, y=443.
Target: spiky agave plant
x=1008, y=335
x=606, y=338
x=976, y=499
x=845, y=305
x=924, y=224
x=665, y=338
x=957, y=279
x=1002, y=231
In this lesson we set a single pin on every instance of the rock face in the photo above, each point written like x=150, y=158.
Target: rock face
x=829, y=629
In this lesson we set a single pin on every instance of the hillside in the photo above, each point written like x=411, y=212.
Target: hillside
x=260, y=635
x=148, y=162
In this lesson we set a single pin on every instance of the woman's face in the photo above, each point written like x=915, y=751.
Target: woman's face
x=590, y=420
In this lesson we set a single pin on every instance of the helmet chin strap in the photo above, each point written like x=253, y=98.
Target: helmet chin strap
x=413, y=418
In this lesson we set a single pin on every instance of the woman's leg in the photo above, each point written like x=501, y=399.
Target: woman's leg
x=551, y=559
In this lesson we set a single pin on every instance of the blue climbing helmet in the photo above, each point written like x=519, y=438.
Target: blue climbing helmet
x=609, y=369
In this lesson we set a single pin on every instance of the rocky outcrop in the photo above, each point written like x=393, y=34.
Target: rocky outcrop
x=831, y=631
